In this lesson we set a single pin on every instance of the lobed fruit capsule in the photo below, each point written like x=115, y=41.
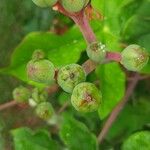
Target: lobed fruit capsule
x=39, y=95
x=86, y=97
x=134, y=57
x=69, y=76
x=73, y=5
x=44, y=110
x=96, y=51
x=21, y=94
x=41, y=71
x=45, y=3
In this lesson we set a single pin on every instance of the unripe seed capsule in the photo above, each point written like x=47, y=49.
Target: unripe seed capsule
x=44, y=110
x=86, y=97
x=41, y=71
x=134, y=57
x=96, y=51
x=39, y=95
x=69, y=76
x=21, y=94
x=73, y=5
x=45, y=3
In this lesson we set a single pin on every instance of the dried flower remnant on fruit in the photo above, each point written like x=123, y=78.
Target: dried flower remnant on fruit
x=45, y=3
x=86, y=97
x=134, y=57
x=21, y=94
x=69, y=76
x=96, y=51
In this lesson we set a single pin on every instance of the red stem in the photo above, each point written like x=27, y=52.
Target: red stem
x=115, y=56
x=8, y=105
x=118, y=108
x=84, y=26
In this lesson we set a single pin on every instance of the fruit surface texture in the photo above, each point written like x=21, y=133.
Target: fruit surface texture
x=134, y=57
x=86, y=97
x=45, y=3
x=41, y=71
x=73, y=5
x=21, y=94
x=69, y=76
x=96, y=51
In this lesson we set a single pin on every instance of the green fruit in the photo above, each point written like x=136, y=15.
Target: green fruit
x=69, y=76
x=86, y=2
x=96, y=51
x=21, y=94
x=38, y=54
x=45, y=3
x=73, y=5
x=86, y=97
x=44, y=110
x=41, y=71
x=134, y=57
x=39, y=95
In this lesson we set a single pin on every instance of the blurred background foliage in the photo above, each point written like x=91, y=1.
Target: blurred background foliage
x=130, y=23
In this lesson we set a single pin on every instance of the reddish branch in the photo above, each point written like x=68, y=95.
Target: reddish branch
x=118, y=108
x=8, y=105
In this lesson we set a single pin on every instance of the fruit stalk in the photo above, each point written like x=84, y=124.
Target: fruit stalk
x=115, y=56
x=83, y=23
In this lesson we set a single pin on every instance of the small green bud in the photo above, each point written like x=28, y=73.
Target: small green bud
x=38, y=54
x=41, y=71
x=44, y=110
x=73, y=5
x=69, y=76
x=45, y=3
x=134, y=57
x=96, y=51
x=39, y=95
x=86, y=97
x=21, y=94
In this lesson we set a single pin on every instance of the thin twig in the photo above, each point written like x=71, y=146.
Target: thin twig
x=8, y=105
x=118, y=108
x=65, y=105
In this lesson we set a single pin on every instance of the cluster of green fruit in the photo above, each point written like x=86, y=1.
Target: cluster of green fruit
x=71, y=78
x=86, y=97
x=71, y=6
x=36, y=98
x=133, y=57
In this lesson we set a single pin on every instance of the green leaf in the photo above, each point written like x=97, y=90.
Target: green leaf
x=77, y=136
x=25, y=139
x=112, y=80
x=138, y=141
x=144, y=41
x=61, y=50
x=131, y=119
x=136, y=20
